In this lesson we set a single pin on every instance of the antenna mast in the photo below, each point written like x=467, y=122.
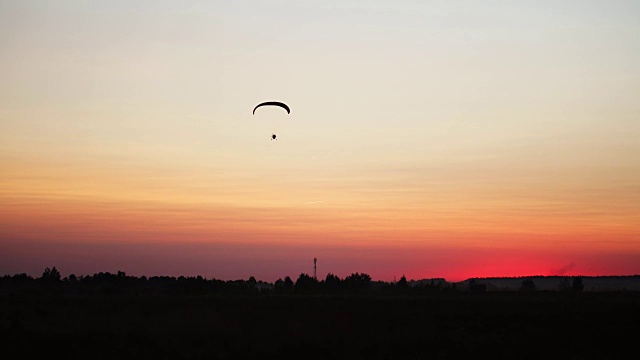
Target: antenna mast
x=314, y=268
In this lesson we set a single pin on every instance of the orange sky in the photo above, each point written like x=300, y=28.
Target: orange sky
x=425, y=139
x=67, y=216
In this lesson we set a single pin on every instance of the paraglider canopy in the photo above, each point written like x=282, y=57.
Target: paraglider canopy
x=272, y=103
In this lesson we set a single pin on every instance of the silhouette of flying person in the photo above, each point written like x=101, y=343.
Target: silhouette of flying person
x=273, y=103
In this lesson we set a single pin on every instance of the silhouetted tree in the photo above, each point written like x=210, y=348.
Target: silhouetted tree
x=306, y=284
x=402, y=283
x=50, y=275
x=332, y=283
x=527, y=285
x=397, y=287
x=577, y=284
x=278, y=286
x=283, y=286
x=288, y=285
x=357, y=282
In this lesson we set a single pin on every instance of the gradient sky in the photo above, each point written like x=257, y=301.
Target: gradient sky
x=426, y=138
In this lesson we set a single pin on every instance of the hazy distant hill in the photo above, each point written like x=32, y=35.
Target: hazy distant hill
x=591, y=283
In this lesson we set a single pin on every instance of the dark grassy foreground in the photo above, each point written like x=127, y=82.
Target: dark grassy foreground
x=502, y=325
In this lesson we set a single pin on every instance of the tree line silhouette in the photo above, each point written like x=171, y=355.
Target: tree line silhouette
x=106, y=283
x=114, y=315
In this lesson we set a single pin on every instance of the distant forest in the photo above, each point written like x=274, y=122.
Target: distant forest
x=106, y=283
x=117, y=316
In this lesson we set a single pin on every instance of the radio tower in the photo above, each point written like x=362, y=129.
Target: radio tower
x=314, y=268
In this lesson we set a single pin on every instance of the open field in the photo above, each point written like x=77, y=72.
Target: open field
x=501, y=325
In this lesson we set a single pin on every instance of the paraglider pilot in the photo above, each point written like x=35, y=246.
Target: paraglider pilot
x=273, y=103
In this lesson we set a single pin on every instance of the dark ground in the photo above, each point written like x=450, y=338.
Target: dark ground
x=501, y=325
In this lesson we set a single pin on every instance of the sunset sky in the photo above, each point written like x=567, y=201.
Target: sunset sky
x=449, y=139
